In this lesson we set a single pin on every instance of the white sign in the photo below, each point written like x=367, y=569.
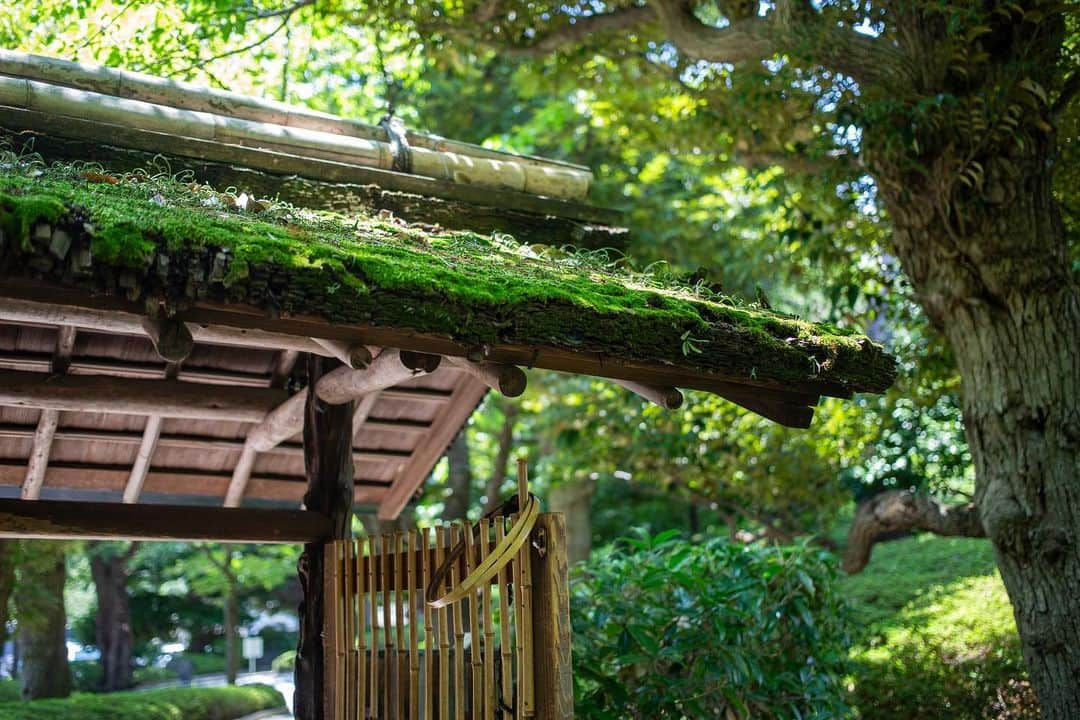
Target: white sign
x=253, y=647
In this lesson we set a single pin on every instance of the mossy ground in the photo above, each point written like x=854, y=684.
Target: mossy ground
x=159, y=239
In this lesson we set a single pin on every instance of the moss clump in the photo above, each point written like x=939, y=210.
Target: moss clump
x=157, y=239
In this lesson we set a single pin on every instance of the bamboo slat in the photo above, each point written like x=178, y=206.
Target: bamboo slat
x=459, y=639
x=489, y=627
x=374, y=687
x=429, y=635
x=507, y=680
x=399, y=624
x=415, y=559
x=476, y=663
x=443, y=615
x=362, y=678
x=347, y=589
x=389, y=674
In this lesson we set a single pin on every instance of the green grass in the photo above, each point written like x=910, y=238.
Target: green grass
x=220, y=703
x=934, y=636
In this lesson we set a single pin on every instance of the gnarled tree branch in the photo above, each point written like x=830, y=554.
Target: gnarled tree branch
x=582, y=28
x=897, y=510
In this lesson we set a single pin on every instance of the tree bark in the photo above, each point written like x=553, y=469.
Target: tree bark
x=112, y=626
x=459, y=479
x=232, y=614
x=897, y=510
x=996, y=279
x=502, y=457
x=573, y=500
x=39, y=603
x=8, y=550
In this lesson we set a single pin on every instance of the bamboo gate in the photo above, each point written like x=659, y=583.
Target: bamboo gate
x=473, y=646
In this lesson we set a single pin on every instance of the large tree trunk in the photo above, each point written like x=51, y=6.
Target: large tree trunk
x=574, y=501
x=232, y=614
x=999, y=285
x=8, y=551
x=112, y=629
x=39, y=603
x=459, y=479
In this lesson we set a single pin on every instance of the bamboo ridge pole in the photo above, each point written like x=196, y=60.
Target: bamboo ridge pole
x=138, y=101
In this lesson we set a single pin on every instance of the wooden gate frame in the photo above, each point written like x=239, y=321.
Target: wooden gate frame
x=328, y=462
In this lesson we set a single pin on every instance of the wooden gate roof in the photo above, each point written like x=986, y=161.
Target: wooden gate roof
x=101, y=275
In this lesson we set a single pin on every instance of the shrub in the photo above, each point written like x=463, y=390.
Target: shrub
x=666, y=629
x=285, y=662
x=10, y=691
x=219, y=703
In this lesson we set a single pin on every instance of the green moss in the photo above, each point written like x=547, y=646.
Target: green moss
x=19, y=214
x=159, y=238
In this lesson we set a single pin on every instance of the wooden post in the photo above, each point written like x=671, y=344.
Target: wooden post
x=551, y=619
x=329, y=466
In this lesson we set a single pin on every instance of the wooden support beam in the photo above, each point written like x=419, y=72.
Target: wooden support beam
x=388, y=369
x=150, y=437
x=553, y=671
x=466, y=396
x=41, y=447
x=171, y=338
x=509, y=380
x=131, y=323
x=356, y=356
x=38, y=461
x=668, y=398
x=283, y=367
x=328, y=438
x=168, y=398
x=115, y=521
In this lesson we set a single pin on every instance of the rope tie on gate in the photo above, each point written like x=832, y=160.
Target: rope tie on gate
x=496, y=560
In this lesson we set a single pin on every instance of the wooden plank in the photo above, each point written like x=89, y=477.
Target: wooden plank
x=552, y=669
x=549, y=358
x=76, y=476
x=466, y=396
x=139, y=469
x=116, y=521
x=38, y=461
x=169, y=398
x=329, y=468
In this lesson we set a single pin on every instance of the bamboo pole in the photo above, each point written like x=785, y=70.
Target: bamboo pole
x=429, y=630
x=348, y=587
x=459, y=636
x=389, y=672
x=399, y=623
x=374, y=688
x=525, y=691
x=476, y=681
x=511, y=174
x=364, y=582
x=519, y=637
x=444, y=632
x=507, y=679
x=415, y=560
x=489, y=627
x=179, y=94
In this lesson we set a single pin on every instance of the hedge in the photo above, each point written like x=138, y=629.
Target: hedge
x=218, y=703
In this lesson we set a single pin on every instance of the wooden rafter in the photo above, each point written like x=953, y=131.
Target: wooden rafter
x=116, y=521
x=113, y=479
x=149, y=442
x=41, y=447
x=467, y=395
x=129, y=396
